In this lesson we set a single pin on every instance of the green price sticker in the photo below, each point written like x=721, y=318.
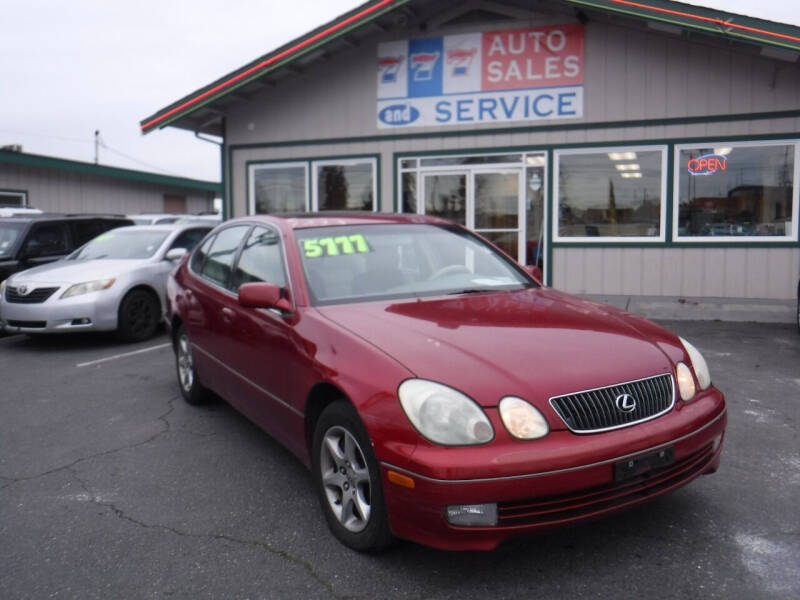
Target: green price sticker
x=335, y=246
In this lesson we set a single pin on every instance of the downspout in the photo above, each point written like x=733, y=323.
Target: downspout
x=223, y=169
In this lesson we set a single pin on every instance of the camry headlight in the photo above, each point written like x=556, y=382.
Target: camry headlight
x=522, y=419
x=698, y=364
x=87, y=286
x=444, y=415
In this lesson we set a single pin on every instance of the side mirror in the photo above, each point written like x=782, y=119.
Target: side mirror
x=263, y=295
x=535, y=272
x=175, y=254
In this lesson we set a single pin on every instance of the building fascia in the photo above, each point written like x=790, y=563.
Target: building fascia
x=49, y=162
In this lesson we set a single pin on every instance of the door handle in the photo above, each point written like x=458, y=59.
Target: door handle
x=227, y=315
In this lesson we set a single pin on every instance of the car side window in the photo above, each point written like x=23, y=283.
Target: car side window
x=199, y=256
x=189, y=238
x=221, y=253
x=261, y=260
x=49, y=239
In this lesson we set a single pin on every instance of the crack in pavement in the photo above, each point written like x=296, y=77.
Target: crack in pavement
x=283, y=554
x=152, y=438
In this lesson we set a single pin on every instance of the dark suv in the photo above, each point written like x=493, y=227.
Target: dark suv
x=31, y=240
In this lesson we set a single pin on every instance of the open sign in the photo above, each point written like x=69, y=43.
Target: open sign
x=707, y=164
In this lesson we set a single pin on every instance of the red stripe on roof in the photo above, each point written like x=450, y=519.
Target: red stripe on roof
x=268, y=61
x=716, y=21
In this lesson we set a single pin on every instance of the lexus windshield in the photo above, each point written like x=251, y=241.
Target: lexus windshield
x=122, y=243
x=367, y=262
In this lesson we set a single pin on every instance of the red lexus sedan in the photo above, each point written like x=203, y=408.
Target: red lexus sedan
x=436, y=390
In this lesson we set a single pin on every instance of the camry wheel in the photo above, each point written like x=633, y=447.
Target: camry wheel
x=348, y=480
x=191, y=388
x=138, y=316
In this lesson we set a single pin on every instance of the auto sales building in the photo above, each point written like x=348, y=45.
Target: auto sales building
x=643, y=149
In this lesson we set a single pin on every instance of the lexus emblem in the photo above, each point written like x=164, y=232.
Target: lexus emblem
x=626, y=403
x=22, y=290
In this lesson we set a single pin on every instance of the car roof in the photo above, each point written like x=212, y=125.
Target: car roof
x=61, y=217
x=168, y=227
x=333, y=218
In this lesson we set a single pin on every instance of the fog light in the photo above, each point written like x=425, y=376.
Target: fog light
x=715, y=444
x=81, y=321
x=472, y=515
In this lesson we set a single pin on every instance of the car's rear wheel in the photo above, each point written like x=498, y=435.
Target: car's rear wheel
x=138, y=316
x=348, y=480
x=191, y=389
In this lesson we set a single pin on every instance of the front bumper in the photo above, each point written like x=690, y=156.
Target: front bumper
x=563, y=479
x=95, y=311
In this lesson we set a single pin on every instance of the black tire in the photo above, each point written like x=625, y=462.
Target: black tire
x=191, y=389
x=349, y=484
x=139, y=315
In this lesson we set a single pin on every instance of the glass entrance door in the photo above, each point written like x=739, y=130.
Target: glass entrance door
x=496, y=209
x=500, y=196
x=445, y=196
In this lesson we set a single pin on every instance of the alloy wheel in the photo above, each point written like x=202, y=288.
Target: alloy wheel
x=345, y=479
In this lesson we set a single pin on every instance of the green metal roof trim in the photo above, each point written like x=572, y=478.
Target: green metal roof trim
x=48, y=162
x=687, y=16
x=707, y=20
x=272, y=61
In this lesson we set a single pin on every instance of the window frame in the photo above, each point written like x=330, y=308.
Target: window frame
x=281, y=251
x=251, y=186
x=791, y=234
x=661, y=238
x=22, y=194
x=344, y=162
x=213, y=282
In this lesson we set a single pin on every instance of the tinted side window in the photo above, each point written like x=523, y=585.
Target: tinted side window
x=49, y=239
x=261, y=260
x=189, y=238
x=217, y=267
x=199, y=257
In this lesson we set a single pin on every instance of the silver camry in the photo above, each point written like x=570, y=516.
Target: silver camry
x=114, y=282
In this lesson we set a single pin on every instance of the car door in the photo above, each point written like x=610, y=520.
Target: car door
x=210, y=304
x=264, y=349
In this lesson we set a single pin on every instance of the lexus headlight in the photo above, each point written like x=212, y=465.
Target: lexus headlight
x=444, y=415
x=87, y=286
x=522, y=419
x=698, y=364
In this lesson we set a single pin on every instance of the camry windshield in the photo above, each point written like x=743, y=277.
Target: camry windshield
x=8, y=235
x=122, y=243
x=365, y=262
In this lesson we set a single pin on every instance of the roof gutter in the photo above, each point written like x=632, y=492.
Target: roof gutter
x=713, y=24
x=270, y=63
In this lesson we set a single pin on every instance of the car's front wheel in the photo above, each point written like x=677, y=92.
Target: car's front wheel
x=139, y=313
x=348, y=480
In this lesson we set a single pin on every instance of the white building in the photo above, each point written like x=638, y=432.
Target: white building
x=646, y=152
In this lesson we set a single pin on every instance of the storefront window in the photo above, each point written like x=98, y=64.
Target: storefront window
x=345, y=185
x=279, y=187
x=735, y=191
x=613, y=193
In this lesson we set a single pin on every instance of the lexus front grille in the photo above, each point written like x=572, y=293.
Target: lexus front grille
x=615, y=406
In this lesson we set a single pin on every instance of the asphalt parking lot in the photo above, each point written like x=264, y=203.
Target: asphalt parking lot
x=112, y=487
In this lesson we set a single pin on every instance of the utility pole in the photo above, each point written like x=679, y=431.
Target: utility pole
x=96, y=144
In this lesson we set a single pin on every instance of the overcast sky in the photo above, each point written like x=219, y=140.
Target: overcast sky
x=69, y=68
